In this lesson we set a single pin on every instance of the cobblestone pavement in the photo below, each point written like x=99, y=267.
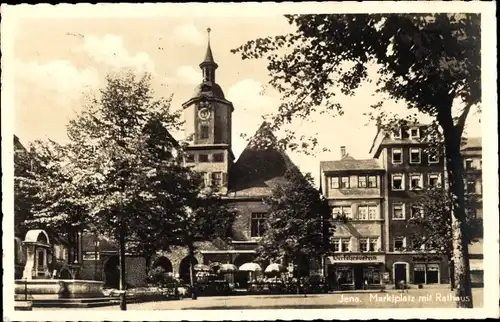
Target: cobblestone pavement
x=418, y=298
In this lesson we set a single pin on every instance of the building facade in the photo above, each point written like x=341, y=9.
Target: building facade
x=354, y=192
x=410, y=166
x=472, y=158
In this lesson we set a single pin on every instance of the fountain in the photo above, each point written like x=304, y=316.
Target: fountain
x=42, y=288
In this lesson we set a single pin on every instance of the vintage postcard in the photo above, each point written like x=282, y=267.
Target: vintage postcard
x=249, y=161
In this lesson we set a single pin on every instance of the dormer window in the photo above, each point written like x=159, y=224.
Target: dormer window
x=397, y=134
x=414, y=133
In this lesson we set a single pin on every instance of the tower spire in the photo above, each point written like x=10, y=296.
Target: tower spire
x=208, y=66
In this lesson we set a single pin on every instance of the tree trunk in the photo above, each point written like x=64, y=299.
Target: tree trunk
x=460, y=251
x=123, y=278
x=451, y=271
x=194, y=296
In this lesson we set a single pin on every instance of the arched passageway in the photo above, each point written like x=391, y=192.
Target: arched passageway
x=112, y=272
x=164, y=263
x=185, y=269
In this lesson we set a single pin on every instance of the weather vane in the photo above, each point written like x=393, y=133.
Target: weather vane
x=208, y=30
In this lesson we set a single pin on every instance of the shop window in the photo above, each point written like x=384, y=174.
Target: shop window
x=344, y=182
x=334, y=182
x=361, y=181
x=397, y=182
x=432, y=274
x=371, y=275
x=419, y=273
x=372, y=182
x=344, y=275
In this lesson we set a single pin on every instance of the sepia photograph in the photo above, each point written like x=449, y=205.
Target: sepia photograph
x=250, y=161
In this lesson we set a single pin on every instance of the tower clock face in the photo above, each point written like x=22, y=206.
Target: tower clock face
x=204, y=114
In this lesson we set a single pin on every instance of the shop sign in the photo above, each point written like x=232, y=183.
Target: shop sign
x=356, y=258
x=427, y=258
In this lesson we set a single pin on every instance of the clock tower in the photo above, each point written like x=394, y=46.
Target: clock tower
x=207, y=128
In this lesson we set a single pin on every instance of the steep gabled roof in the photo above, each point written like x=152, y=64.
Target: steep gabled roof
x=260, y=166
x=472, y=143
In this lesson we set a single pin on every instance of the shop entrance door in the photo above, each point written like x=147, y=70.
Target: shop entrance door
x=358, y=277
x=399, y=273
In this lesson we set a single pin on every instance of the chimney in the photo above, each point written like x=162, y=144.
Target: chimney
x=342, y=151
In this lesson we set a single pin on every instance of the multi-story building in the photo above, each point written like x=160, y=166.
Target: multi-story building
x=409, y=167
x=354, y=192
x=472, y=158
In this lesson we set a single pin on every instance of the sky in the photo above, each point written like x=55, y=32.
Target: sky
x=58, y=60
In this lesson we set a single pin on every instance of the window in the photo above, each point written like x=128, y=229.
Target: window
x=345, y=244
x=468, y=164
x=416, y=181
x=258, y=224
x=204, y=132
x=217, y=179
x=368, y=244
x=419, y=273
x=189, y=157
x=397, y=134
x=416, y=211
x=432, y=274
x=426, y=273
x=433, y=156
x=342, y=210
x=397, y=182
x=367, y=212
x=334, y=182
x=372, y=275
x=397, y=156
x=398, y=212
x=336, y=245
x=205, y=176
x=203, y=158
x=414, y=155
x=372, y=182
x=434, y=180
x=471, y=186
x=415, y=133
x=361, y=181
x=344, y=182
x=363, y=212
x=399, y=244
x=218, y=157
x=363, y=245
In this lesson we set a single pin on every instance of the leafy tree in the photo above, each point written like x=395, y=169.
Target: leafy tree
x=298, y=223
x=42, y=190
x=121, y=165
x=207, y=218
x=429, y=61
x=433, y=232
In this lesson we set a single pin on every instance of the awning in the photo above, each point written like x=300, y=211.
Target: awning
x=476, y=264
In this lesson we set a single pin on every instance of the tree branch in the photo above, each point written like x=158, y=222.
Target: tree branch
x=462, y=118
